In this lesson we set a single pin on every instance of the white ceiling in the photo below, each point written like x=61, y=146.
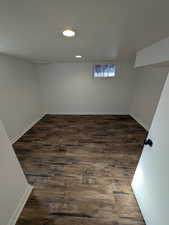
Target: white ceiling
x=106, y=29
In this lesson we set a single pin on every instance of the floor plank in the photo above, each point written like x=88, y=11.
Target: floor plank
x=81, y=168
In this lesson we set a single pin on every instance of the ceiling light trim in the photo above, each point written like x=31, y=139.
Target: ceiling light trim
x=69, y=33
x=78, y=56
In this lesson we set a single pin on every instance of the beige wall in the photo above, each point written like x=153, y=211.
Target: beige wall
x=69, y=88
x=19, y=95
x=147, y=87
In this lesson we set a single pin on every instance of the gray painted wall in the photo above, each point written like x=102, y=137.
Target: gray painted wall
x=27, y=91
x=156, y=53
x=69, y=88
x=19, y=95
x=147, y=87
x=151, y=183
x=14, y=186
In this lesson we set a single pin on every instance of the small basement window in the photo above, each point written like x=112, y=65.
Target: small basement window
x=105, y=70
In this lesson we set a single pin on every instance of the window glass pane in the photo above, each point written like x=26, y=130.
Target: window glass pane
x=104, y=70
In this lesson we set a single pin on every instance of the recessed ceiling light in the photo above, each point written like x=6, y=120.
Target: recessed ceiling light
x=78, y=56
x=69, y=33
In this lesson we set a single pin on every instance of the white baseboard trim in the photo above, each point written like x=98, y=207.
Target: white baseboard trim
x=88, y=113
x=141, y=207
x=13, y=140
x=139, y=121
x=20, y=206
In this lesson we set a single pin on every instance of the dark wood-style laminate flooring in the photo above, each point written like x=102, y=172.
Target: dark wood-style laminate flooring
x=81, y=168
